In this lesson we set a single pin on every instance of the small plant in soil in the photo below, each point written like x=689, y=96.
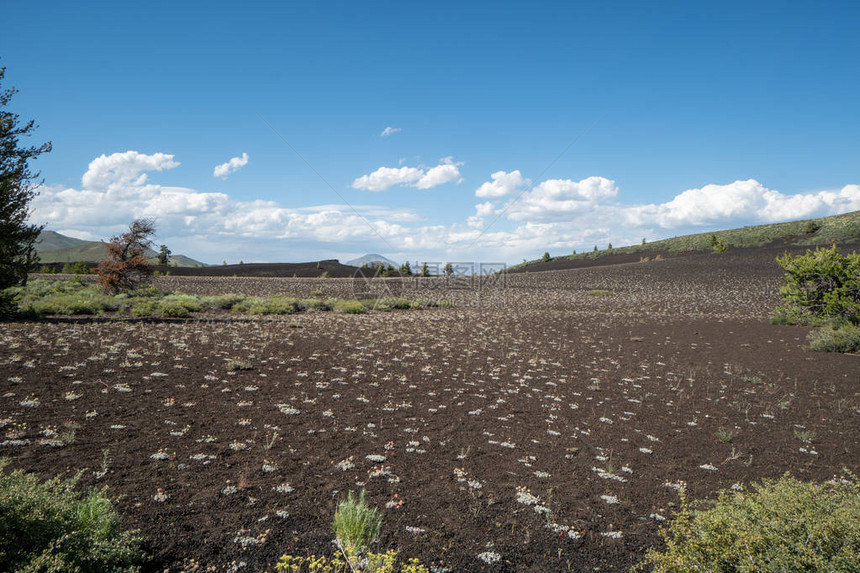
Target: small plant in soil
x=356, y=525
x=805, y=436
x=725, y=435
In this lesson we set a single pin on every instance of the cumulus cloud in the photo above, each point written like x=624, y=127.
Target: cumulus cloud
x=124, y=169
x=387, y=177
x=231, y=166
x=559, y=199
x=119, y=192
x=502, y=184
x=556, y=215
x=448, y=171
x=485, y=209
x=743, y=201
x=389, y=131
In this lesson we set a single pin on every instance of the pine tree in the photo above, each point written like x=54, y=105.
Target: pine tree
x=17, y=188
x=164, y=255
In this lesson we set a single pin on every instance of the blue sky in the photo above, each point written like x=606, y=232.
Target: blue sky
x=683, y=117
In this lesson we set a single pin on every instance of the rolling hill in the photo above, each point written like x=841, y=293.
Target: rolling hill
x=56, y=248
x=840, y=229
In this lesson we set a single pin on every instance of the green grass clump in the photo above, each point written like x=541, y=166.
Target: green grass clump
x=47, y=526
x=349, y=307
x=835, y=338
x=782, y=525
x=356, y=525
x=600, y=292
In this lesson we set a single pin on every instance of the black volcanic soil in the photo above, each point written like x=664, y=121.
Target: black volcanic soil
x=309, y=269
x=532, y=421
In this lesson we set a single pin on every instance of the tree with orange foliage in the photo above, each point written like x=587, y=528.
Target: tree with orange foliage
x=126, y=265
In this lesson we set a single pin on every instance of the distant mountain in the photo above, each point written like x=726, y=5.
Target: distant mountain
x=371, y=260
x=52, y=241
x=56, y=248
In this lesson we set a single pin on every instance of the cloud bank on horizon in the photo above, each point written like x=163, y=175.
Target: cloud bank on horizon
x=554, y=214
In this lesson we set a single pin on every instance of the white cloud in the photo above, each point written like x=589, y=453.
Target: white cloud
x=389, y=131
x=485, y=209
x=123, y=195
x=387, y=177
x=231, y=166
x=502, y=184
x=559, y=199
x=743, y=202
x=446, y=172
x=384, y=178
x=124, y=168
x=557, y=215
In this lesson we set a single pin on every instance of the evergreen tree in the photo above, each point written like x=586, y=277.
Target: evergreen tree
x=17, y=188
x=164, y=255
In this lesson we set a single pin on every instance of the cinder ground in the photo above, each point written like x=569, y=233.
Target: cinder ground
x=532, y=425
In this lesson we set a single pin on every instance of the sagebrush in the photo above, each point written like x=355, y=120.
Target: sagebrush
x=48, y=526
x=782, y=525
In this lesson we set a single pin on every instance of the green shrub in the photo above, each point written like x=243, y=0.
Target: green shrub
x=270, y=305
x=172, y=309
x=785, y=316
x=190, y=302
x=431, y=303
x=315, y=304
x=835, y=338
x=349, y=307
x=388, y=304
x=782, y=525
x=375, y=563
x=82, y=302
x=144, y=308
x=146, y=291
x=811, y=226
x=223, y=301
x=600, y=292
x=48, y=527
x=821, y=283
